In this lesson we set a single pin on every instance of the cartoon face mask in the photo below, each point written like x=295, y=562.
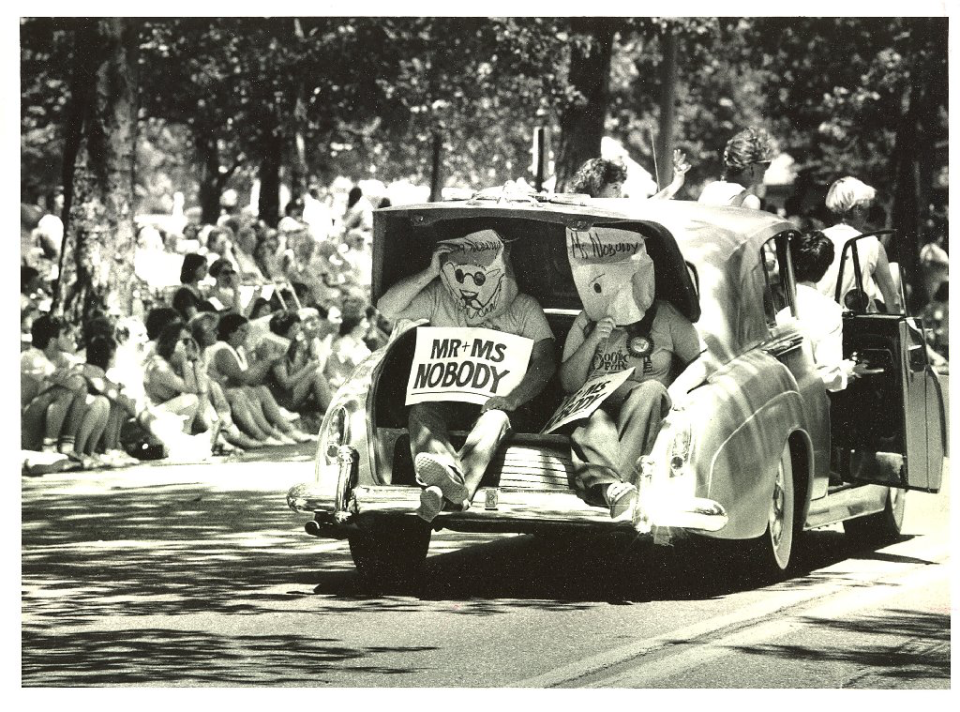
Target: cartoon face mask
x=613, y=273
x=478, y=276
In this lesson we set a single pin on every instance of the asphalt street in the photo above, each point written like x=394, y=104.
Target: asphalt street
x=199, y=575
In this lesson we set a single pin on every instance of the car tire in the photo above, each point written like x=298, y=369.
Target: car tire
x=770, y=554
x=389, y=552
x=882, y=527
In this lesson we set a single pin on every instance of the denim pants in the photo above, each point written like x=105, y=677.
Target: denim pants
x=430, y=424
x=607, y=445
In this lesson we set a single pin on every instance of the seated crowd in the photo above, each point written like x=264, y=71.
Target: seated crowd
x=245, y=353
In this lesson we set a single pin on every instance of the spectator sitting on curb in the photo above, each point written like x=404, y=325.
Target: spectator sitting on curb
x=57, y=415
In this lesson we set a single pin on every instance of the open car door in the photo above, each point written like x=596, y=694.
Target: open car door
x=887, y=427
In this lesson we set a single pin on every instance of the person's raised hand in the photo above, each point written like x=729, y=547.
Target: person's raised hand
x=680, y=165
x=438, y=258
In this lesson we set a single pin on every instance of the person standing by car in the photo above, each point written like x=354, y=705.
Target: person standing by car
x=820, y=316
x=447, y=473
x=746, y=158
x=850, y=199
x=607, y=444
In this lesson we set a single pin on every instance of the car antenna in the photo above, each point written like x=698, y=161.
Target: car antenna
x=653, y=147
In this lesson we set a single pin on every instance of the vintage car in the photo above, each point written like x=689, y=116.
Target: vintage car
x=754, y=451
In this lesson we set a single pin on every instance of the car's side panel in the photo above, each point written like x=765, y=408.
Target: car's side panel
x=743, y=416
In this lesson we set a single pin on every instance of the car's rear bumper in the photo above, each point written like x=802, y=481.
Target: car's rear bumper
x=502, y=510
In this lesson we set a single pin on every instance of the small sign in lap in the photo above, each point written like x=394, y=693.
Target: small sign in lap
x=586, y=400
x=466, y=364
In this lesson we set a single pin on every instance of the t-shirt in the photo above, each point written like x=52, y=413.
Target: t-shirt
x=721, y=192
x=185, y=298
x=158, y=392
x=213, y=370
x=523, y=317
x=868, y=252
x=671, y=333
x=821, y=321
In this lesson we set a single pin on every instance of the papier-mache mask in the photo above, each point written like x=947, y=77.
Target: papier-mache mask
x=478, y=275
x=613, y=273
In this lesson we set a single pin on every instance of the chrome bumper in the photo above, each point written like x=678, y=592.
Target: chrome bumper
x=496, y=509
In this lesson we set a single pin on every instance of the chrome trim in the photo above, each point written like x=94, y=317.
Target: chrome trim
x=346, y=457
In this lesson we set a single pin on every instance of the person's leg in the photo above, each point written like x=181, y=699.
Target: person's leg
x=257, y=412
x=481, y=445
x=429, y=433
x=76, y=412
x=595, y=449
x=92, y=425
x=638, y=425
x=186, y=406
x=271, y=410
x=298, y=394
x=243, y=414
x=321, y=389
x=111, y=436
x=36, y=423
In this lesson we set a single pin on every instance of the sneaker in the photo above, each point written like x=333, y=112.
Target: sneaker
x=431, y=503
x=432, y=471
x=286, y=438
x=111, y=458
x=92, y=462
x=622, y=498
x=301, y=437
x=288, y=415
x=273, y=442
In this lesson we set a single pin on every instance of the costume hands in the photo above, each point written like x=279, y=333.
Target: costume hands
x=604, y=328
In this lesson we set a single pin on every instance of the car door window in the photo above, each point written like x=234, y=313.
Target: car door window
x=775, y=291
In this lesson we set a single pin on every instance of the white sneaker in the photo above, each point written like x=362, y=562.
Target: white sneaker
x=431, y=470
x=118, y=458
x=431, y=503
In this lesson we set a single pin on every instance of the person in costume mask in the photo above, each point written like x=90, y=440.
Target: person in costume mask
x=622, y=326
x=469, y=283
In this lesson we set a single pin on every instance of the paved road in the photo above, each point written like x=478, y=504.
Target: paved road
x=200, y=575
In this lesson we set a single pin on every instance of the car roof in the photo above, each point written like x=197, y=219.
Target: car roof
x=724, y=245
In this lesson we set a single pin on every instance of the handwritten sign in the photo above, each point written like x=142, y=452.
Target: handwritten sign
x=466, y=364
x=613, y=273
x=586, y=400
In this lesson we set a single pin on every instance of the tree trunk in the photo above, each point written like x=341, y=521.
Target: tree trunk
x=209, y=165
x=99, y=238
x=914, y=160
x=582, y=123
x=668, y=83
x=270, y=163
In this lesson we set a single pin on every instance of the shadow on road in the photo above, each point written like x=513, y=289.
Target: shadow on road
x=107, y=575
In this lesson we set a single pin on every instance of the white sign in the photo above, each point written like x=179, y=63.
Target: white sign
x=466, y=364
x=613, y=273
x=586, y=400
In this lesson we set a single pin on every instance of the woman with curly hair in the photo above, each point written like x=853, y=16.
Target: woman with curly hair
x=746, y=158
x=603, y=178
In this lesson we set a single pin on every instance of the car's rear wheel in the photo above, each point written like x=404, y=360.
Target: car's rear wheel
x=389, y=552
x=882, y=527
x=770, y=554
